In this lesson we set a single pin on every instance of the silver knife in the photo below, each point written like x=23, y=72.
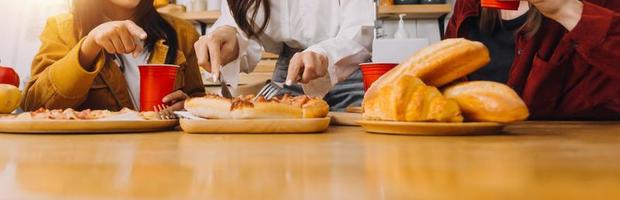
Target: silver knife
x=225, y=90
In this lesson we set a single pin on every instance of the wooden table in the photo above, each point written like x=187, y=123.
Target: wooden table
x=553, y=160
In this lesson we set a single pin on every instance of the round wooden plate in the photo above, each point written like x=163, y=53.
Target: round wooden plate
x=216, y=126
x=432, y=128
x=84, y=126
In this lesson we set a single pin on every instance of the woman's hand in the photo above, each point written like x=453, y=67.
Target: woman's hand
x=217, y=49
x=116, y=37
x=176, y=100
x=565, y=12
x=306, y=66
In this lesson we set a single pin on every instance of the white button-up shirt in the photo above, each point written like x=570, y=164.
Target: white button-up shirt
x=342, y=30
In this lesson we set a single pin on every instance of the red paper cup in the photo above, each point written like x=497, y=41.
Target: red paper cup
x=372, y=71
x=156, y=81
x=497, y=4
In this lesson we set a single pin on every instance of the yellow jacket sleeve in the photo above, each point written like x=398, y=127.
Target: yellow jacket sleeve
x=58, y=80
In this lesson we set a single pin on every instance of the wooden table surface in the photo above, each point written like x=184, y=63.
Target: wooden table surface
x=553, y=160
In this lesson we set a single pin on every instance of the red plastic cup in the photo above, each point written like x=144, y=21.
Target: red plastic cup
x=499, y=4
x=373, y=71
x=156, y=81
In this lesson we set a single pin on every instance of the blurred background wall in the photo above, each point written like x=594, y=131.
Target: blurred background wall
x=22, y=22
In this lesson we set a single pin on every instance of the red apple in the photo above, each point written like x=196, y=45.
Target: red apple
x=9, y=76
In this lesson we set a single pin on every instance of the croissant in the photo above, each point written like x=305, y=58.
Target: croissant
x=408, y=99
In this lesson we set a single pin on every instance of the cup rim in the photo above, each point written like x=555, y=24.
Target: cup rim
x=378, y=63
x=158, y=65
x=500, y=4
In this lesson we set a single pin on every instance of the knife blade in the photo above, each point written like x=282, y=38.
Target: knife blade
x=225, y=90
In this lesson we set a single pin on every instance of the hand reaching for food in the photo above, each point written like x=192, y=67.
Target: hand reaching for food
x=176, y=100
x=306, y=66
x=115, y=37
x=217, y=49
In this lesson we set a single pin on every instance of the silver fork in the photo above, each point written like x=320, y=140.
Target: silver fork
x=164, y=112
x=268, y=91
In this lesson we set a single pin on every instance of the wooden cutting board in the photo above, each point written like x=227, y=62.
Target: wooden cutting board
x=217, y=126
x=84, y=126
x=345, y=118
x=432, y=128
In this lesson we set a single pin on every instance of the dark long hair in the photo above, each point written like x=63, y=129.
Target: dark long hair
x=88, y=15
x=245, y=13
x=490, y=18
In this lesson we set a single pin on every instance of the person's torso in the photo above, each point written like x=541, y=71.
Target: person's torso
x=501, y=44
x=552, y=78
x=301, y=23
x=110, y=89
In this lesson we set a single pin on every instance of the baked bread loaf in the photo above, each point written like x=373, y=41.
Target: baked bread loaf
x=408, y=99
x=244, y=107
x=210, y=107
x=488, y=101
x=442, y=62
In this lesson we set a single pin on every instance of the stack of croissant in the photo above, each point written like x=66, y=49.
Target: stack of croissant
x=410, y=91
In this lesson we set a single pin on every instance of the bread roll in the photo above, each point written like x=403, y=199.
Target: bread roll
x=407, y=98
x=209, y=107
x=488, y=101
x=286, y=107
x=265, y=110
x=442, y=62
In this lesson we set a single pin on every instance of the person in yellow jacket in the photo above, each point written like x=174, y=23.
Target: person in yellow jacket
x=89, y=59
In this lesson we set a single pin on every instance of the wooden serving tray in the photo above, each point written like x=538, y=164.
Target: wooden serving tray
x=432, y=128
x=84, y=126
x=345, y=118
x=216, y=126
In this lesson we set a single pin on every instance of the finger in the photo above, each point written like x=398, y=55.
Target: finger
x=215, y=55
x=310, y=66
x=321, y=65
x=108, y=46
x=294, y=68
x=202, y=54
x=126, y=40
x=135, y=30
x=139, y=48
x=178, y=106
x=118, y=44
x=174, y=97
x=229, y=52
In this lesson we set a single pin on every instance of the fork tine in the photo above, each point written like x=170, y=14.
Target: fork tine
x=273, y=93
x=262, y=90
x=164, y=110
x=155, y=109
x=171, y=114
x=158, y=109
x=268, y=90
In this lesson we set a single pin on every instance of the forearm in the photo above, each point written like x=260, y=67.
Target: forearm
x=89, y=51
x=59, y=79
